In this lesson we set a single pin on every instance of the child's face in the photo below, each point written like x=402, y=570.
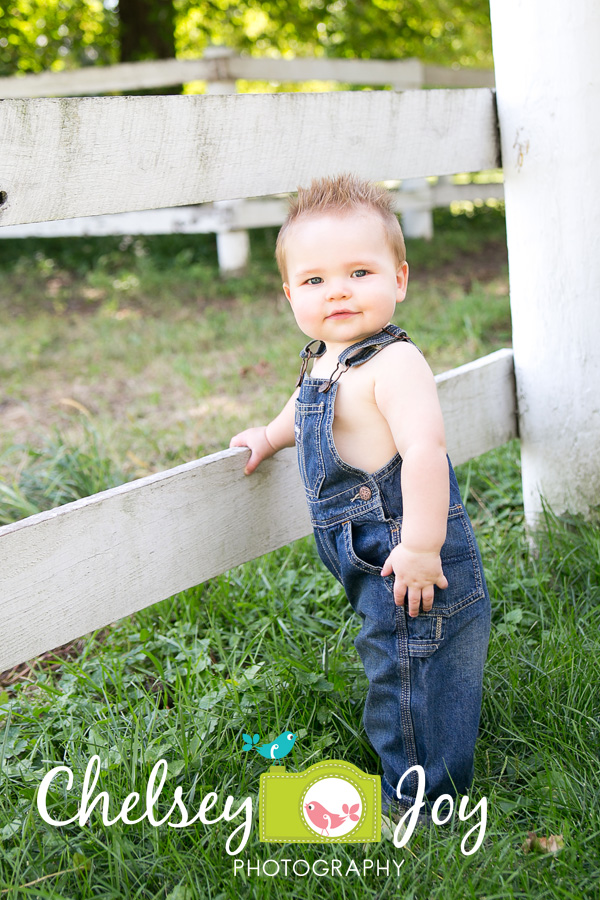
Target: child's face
x=343, y=278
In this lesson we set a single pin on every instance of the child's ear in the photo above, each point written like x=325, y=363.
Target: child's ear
x=286, y=291
x=401, y=282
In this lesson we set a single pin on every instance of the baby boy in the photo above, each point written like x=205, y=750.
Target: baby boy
x=386, y=511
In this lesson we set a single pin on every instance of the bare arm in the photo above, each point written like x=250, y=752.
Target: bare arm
x=406, y=394
x=265, y=440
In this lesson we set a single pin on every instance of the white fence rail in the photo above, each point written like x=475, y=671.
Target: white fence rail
x=233, y=216
x=401, y=74
x=71, y=570
x=220, y=68
x=79, y=157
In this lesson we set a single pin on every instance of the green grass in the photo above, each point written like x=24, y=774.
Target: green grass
x=55, y=474
x=269, y=645
x=169, y=360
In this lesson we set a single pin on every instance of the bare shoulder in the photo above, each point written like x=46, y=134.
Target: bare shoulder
x=401, y=360
x=406, y=394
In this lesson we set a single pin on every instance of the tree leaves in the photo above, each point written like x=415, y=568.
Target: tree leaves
x=37, y=35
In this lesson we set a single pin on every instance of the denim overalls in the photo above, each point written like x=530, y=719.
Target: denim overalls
x=424, y=673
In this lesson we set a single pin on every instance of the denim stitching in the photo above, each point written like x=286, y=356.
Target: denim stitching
x=333, y=517
x=332, y=560
x=436, y=611
x=416, y=648
x=344, y=515
x=303, y=410
x=356, y=561
x=405, y=694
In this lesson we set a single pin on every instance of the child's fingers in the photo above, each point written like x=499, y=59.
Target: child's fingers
x=400, y=588
x=239, y=441
x=252, y=463
x=414, y=601
x=442, y=582
x=387, y=567
x=427, y=597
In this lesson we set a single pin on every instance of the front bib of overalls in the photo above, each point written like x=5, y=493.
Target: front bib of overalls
x=412, y=714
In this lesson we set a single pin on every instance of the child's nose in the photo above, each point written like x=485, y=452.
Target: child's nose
x=338, y=287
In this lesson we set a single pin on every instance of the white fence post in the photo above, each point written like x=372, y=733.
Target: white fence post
x=233, y=247
x=550, y=130
x=418, y=222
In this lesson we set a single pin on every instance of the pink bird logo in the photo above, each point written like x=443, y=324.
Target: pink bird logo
x=323, y=819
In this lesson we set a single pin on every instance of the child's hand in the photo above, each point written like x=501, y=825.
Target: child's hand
x=416, y=573
x=256, y=439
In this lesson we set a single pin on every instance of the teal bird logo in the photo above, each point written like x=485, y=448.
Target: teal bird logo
x=277, y=749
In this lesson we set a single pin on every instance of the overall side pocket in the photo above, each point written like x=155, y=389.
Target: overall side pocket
x=466, y=586
x=308, y=426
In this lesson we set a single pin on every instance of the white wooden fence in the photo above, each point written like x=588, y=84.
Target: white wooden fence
x=220, y=68
x=84, y=565
x=71, y=570
x=234, y=215
x=223, y=66
x=64, y=158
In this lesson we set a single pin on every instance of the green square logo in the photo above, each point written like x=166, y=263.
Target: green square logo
x=330, y=802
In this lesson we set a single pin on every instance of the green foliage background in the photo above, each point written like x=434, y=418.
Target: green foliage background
x=36, y=35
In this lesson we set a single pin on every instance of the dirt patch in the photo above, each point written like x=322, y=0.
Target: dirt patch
x=49, y=662
x=465, y=269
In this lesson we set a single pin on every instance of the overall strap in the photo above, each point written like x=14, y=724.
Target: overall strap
x=306, y=354
x=355, y=355
x=362, y=352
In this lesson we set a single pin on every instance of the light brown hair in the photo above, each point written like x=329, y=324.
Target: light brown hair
x=342, y=193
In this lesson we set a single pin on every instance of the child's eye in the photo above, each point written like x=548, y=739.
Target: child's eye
x=316, y=279
x=360, y=272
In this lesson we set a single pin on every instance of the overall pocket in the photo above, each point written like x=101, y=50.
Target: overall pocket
x=308, y=427
x=466, y=586
x=461, y=564
x=366, y=546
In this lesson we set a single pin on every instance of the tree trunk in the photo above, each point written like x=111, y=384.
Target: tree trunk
x=147, y=31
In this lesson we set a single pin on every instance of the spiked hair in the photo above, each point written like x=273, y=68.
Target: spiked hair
x=341, y=194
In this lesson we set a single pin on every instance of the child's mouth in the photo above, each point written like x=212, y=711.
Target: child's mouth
x=342, y=314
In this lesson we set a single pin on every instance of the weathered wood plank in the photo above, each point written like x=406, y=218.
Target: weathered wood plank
x=440, y=76
x=207, y=218
x=77, y=157
x=105, y=79
x=444, y=194
x=210, y=218
x=479, y=405
x=403, y=74
x=69, y=571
